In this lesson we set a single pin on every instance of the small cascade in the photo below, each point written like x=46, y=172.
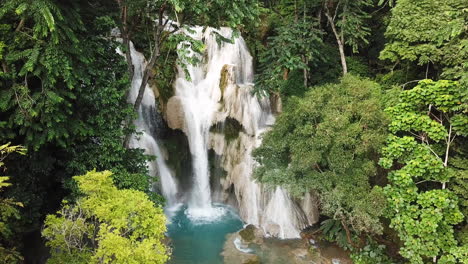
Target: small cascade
x=147, y=125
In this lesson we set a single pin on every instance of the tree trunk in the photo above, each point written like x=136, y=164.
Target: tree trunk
x=286, y=74
x=304, y=58
x=305, y=71
x=158, y=39
x=339, y=40
x=342, y=57
x=146, y=74
x=348, y=235
x=126, y=41
x=20, y=25
x=447, y=151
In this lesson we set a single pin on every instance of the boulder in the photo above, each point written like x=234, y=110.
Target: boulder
x=251, y=234
x=175, y=113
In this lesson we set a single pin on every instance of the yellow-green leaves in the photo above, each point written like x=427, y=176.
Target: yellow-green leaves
x=124, y=225
x=7, y=149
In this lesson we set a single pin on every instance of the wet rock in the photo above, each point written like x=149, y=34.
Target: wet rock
x=175, y=113
x=232, y=255
x=310, y=206
x=276, y=103
x=273, y=229
x=311, y=233
x=253, y=260
x=248, y=233
x=251, y=234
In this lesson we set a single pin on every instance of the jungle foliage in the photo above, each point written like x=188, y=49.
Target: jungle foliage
x=63, y=94
x=374, y=122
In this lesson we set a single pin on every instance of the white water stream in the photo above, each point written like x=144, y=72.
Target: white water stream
x=146, y=125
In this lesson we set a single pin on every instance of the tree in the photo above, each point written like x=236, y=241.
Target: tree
x=347, y=22
x=296, y=44
x=166, y=20
x=39, y=72
x=8, y=209
x=106, y=225
x=430, y=32
x=424, y=127
x=327, y=142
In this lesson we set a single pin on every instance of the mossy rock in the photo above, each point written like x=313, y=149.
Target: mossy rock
x=248, y=233
x=224, y=80
x=230, y=128
x=253, y=260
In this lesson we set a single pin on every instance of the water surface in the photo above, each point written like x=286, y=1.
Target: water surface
x=201, y=241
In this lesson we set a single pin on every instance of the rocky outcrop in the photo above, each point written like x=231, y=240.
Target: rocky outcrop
x=310, y=206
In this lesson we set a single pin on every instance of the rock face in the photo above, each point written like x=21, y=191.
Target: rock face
x=310, y=206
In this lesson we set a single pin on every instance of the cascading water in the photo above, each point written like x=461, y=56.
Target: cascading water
x=218, y=89
x=147, y=125
x=200, y=99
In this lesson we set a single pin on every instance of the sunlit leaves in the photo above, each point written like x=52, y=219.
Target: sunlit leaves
x=107, y=225
x=8, y=207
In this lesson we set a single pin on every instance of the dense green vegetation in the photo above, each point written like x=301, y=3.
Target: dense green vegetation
x=421, y=208
x=328, y=141
x=8, y=210
x=375, y=121
x=387, y=161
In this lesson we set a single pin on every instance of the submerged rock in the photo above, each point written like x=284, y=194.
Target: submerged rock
x=232, y=255
x=251, y=234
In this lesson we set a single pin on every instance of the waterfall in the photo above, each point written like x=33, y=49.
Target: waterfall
x=218, y=89
x=147, y=125
x=200, y=99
